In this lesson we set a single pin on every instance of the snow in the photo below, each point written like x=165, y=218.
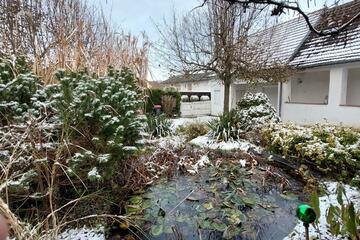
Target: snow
x=203, y=161
x=183, y=121
x=94, y=174
x=333, y=49
x=170, y=142
x=325, y=201
x=194, y=168
x=83, y=234
x=207, y=142
x=242, y=162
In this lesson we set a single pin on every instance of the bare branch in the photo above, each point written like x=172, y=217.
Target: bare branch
x=281, y=5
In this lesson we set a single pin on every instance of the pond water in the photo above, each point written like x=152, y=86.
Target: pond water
x=224, y=202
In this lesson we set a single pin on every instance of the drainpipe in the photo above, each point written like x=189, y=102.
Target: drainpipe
x=280, y=89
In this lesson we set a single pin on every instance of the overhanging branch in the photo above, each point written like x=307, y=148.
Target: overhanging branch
x=287, y=5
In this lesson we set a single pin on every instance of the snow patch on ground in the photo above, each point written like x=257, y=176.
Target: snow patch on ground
x=183, y=121
x=168, y=142
x=207, y=142
x=352, y=193
x=83, y=234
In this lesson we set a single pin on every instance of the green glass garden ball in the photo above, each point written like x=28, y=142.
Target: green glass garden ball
x=306, y=213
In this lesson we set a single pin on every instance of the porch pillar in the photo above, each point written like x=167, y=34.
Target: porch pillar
x=337, y=86
x=232, y=96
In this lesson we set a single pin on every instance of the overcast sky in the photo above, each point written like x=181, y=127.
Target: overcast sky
x=136, y=16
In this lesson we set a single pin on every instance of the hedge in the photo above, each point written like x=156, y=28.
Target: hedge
x=154, y=98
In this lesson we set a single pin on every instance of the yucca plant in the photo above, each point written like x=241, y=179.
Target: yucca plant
x=158, y=125
x=225, y=128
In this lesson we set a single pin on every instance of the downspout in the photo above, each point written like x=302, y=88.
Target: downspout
x=280, y=90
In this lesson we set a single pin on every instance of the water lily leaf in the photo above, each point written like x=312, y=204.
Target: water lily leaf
x=212, y=214
x=232, y=213
x=228, y=204
x=196, y=196
x=234, y=219
x=204, y=224
x=248, y=201
x=200, y=208
x=208, y=205
x=182, y=218
x=218, y=226
x=157, y=230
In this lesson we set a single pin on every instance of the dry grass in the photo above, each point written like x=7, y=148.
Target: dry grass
x=69, y=34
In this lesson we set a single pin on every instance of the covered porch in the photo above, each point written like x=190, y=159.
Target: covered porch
x=323, y=94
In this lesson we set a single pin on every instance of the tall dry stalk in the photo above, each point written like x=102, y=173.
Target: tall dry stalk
x=68, y=34
x=15, y=226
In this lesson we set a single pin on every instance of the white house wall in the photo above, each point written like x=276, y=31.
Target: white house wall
x=310, y=87
x=199, y=86
x=334, y=112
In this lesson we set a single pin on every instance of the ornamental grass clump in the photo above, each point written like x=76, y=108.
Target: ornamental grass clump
x=158, y=126
x=225, y=128
x=331, y=149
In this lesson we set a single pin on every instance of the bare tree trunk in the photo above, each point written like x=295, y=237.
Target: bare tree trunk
x=227, y=96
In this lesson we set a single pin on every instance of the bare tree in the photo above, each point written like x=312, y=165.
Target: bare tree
x=279, y=8
x=219, y=39
x=68, y=34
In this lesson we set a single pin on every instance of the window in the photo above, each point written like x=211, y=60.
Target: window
x=353, y=87
x=189, y=87
x=310, y=87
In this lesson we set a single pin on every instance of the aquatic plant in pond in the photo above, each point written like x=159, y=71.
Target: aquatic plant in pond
x=220, y=202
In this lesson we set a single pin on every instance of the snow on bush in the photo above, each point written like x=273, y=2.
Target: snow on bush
x=184, y=98
x=254, y=111
x=104, y=112
x=194, y=98
x=204, y=98
x=331, y=148
x=20, y=92
x=78, y=131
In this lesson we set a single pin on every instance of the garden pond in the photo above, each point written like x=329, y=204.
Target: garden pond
x=222, y=201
